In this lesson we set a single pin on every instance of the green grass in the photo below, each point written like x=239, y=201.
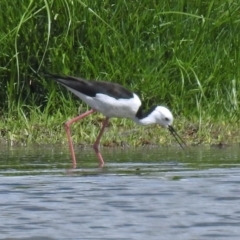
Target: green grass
x=182, y=54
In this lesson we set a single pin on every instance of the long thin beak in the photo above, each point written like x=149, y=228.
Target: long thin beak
x=177, y=137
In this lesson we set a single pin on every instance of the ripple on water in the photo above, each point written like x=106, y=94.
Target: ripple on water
x=191, y=196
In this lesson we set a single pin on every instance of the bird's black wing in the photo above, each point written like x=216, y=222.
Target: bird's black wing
x=91, y=88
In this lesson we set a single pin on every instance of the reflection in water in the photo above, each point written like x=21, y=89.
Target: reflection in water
x=154, y=193
x=51, y=158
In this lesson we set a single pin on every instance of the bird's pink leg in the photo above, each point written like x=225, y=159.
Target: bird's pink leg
x=67, y=129
x=96, y=144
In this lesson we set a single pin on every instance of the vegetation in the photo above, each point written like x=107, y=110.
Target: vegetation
x=182, y=54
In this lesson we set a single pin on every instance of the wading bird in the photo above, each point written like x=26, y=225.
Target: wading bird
x=112, y=100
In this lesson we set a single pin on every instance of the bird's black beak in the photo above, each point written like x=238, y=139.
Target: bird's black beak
x=177, y=137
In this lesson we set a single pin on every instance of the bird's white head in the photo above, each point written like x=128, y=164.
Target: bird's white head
x=163, y=116
x=156, y=115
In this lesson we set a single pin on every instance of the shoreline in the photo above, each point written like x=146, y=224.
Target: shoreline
x=120, y=132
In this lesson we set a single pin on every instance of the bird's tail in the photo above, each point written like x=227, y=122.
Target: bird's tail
x=56, y=76
x=50, y=75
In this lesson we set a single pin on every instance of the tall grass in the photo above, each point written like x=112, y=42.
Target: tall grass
x=183, y=54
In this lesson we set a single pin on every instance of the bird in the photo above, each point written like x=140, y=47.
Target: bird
x=113, y=101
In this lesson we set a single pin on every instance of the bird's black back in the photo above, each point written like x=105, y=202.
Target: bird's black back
x=91, y=88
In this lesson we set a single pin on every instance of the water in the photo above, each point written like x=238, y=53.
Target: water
x=145, y=193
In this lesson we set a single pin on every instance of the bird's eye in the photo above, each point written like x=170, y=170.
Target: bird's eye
x=166, y=119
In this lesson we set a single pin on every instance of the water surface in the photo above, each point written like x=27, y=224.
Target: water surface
x=154, y=193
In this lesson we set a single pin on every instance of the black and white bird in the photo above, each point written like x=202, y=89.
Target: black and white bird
x=112, y=100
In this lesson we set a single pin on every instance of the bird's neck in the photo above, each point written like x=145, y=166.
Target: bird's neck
x=145, y=118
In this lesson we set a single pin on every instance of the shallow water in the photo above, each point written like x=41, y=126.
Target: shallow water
x=154, y=193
